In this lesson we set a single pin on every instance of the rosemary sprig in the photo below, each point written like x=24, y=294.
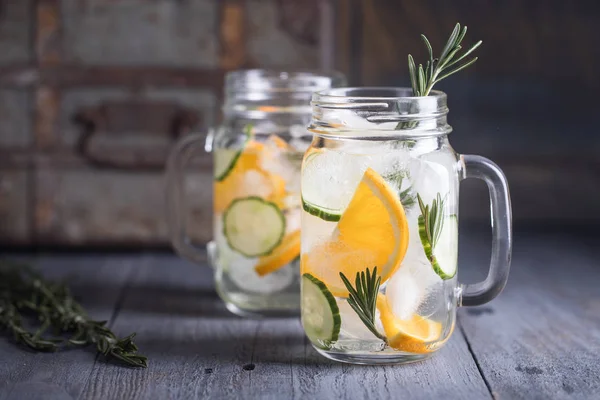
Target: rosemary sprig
x=23, y=292
x=407, y=197
x=363, y=298
x=433, y=218
x=436, y=69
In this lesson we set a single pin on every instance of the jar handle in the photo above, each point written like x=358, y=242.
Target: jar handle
x=482, y=168
x=175, y=197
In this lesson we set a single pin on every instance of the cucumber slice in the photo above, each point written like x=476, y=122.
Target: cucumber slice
x=444, y=261
x=320, y=313
x=253, y=226
x=325, y=215
x=225, y=159
x=328, y=181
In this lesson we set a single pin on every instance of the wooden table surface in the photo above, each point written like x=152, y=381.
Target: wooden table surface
x=539, y=339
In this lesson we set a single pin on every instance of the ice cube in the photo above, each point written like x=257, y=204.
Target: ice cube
x=240, y=269
x=433, y=300
x=280, y=160
x=434, y=173
x=423, y=146
x=349, y=118
x=314, y=231
x=299, y=131
x=292, y=220
x=414, y=286
x=353, y=326
x=393, y=161
x=404, y=293
x=242, y=273
x=330, y=178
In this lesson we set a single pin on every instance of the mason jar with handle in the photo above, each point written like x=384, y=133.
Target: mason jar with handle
x=379, y=246
x=257, y=154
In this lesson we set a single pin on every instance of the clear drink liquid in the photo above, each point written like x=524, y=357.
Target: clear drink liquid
x=254, y=275
x=415, y=304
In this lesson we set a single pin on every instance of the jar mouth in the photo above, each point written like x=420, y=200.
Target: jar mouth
x=379, y=109
x=384, y=98
x=281, y=81
x=256, y=93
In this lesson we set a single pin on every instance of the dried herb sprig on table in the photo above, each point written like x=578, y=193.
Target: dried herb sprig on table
x=24, y=293
x=436, y=69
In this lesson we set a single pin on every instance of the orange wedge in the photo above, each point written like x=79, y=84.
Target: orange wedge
x=281, y=256
x=414, y=335
x=372, y=232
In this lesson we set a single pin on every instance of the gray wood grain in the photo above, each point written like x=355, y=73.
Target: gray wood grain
x=98, y=281
x=540, y=338
x=198, y=350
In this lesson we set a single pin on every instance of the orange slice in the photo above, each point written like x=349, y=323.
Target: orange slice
x=281, y=256
x=247, y=178
x=414, y=335
x=279, y=142
x=372, y=231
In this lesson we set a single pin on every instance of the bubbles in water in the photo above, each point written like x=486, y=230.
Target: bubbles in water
x=434, y=173
x=240, y=269
x=403, y=293
x=352, y=325
x=241, y=272
x=314, y=231
x=278, y=160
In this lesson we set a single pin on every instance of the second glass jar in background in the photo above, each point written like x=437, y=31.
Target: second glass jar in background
x=257, y=154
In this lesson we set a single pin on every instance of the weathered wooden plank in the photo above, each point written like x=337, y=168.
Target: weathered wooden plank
x=287, y=366
x=198, y=350
x=99, y=207
x=74, y=75
x=15, y=32
x=74, y=100
x=539, y=339
x=15, y=198
x=48, y=33
x=195, y=346
x=98, y=281
x=105, y=32
x=392, y=28
x=49, y=52
x=537, y=189
x=15, y=125
x=232, y=54
x=269, y=42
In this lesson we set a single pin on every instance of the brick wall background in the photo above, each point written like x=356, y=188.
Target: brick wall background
x=81, y=162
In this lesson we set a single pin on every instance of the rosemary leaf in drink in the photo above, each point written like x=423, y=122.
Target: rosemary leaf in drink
x=432, y=218
x=24, y=293
x=363, y=298
x=407, y=197
x=449, y=62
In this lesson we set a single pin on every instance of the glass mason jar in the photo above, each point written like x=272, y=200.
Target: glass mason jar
x=379, y=243
x=257, y=153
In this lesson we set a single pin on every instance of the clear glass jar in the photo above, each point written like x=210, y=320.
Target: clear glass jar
x=380, y=188
x=257, y=153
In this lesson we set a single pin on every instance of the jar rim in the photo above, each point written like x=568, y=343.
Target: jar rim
x=354, y=110
x=365, y=93
x=281, y=80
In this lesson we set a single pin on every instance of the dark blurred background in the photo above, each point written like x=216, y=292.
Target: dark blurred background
x=94, y=92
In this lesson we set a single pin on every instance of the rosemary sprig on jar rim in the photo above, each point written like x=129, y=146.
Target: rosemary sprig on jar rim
x=449, y=62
